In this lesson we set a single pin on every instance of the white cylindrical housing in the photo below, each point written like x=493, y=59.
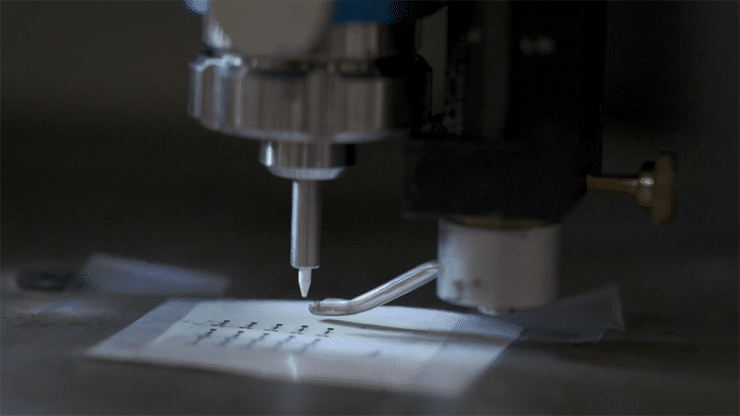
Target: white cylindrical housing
x=498, y=270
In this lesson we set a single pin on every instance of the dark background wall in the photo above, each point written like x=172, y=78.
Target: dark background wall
x=94, y=130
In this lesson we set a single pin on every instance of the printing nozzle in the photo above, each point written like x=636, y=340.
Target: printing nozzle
x=304, y=280
x=305, y=231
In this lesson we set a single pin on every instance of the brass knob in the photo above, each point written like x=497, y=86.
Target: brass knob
x=655, y=188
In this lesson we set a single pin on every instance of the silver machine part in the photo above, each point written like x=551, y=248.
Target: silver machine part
x=305, y=161
x=389, y=291
x=311, y=91
x=324, y=91
x=497, y=270
x=305, y=225
x=280, y=72
x=312, y=105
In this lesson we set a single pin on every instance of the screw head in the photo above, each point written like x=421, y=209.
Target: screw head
x=665, y=189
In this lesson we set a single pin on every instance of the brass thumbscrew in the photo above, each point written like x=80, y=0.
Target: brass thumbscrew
x=655, y=188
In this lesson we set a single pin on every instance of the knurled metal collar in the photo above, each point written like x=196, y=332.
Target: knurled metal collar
x=299, y=103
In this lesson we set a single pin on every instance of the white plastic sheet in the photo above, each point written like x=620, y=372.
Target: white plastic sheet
x=395, y=348
x=103, y=273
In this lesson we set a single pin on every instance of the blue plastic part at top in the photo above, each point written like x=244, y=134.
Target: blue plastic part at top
x=199, y=7
x=347, y=11
x=369, y=11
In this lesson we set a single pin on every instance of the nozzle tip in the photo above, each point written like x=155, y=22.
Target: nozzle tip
x=304, y=280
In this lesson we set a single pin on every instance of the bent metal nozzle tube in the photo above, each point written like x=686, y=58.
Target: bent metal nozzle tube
x=391, y=290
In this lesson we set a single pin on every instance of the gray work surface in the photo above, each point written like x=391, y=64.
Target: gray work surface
x=92, y=163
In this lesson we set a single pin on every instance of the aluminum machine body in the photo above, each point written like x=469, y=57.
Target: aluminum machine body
x=518, y=143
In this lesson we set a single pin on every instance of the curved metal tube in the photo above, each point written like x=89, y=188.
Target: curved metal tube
x=391, y=290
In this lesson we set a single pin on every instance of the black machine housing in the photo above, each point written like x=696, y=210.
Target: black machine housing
x=521, y=126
